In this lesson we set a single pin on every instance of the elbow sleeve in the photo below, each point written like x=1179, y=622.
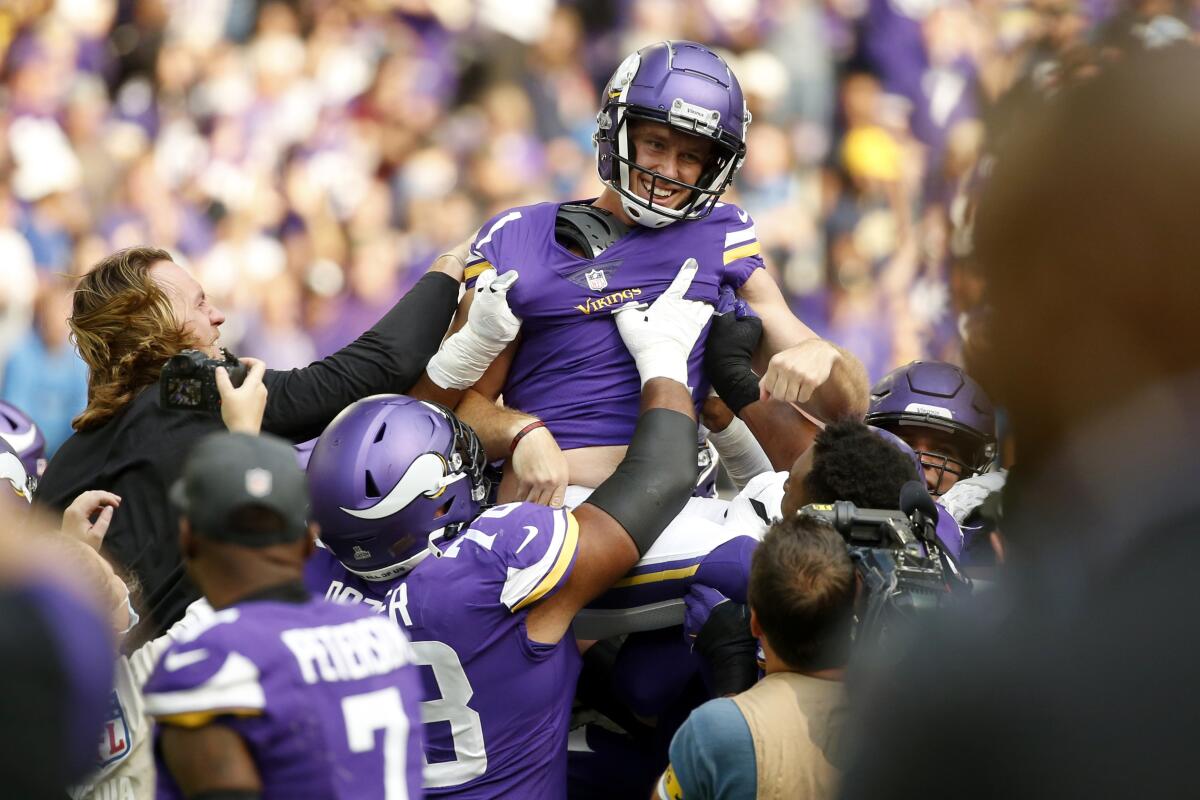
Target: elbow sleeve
x=654, y=481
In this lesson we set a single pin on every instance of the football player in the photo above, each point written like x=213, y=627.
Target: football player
x=488, y=599
x=943, y=415
x=670, y=136
x=278, y=693
x=948, y=419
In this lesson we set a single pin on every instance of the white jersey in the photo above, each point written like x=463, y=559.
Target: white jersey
x=125, y=758
x=758, y=505
x=704, y=525
x=967, y=495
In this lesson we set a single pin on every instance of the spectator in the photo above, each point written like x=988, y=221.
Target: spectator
x=781, y=738
x=44, y=374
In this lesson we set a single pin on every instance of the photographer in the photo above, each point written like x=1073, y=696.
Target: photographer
x=780, y=738
x=135, y=310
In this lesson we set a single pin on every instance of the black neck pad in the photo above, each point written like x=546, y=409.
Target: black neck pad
x=587, y=229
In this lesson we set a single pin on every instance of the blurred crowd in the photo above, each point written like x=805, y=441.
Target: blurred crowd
x=307, y=159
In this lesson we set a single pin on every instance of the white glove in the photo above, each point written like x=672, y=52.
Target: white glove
x=491, y=325
x=967, y=495
x=662, y=336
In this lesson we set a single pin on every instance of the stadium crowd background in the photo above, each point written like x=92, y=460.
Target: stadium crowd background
x=308, y=159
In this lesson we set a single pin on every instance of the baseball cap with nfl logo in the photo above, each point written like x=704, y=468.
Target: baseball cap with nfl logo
x=228, y=472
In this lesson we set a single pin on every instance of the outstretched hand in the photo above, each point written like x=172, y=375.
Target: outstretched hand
x=661, y=336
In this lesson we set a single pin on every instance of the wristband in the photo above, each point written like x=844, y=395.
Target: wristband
x=521, y=434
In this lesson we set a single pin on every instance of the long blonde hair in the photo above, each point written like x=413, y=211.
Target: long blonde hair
x=125, y=330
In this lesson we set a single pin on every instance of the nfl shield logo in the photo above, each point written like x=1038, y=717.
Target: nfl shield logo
x=596, y=280
x=115, y=739
x=258, y=482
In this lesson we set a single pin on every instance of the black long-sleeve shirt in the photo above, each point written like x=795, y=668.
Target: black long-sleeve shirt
x=139, y=453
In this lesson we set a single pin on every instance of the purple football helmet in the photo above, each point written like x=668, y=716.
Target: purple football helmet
x=22, y=433
x=12, y=471
x=690, y=88
x=390, y=477
x=938, y=397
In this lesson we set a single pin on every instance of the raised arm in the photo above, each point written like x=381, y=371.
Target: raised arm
x=782, y=430
x=626, y=513
x=389, y=358
x=466, y=374
x=797, y=365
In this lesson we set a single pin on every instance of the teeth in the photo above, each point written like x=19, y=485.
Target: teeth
x=657, y=192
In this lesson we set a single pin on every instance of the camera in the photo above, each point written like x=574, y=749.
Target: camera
x=905, y=572
x=189, y=380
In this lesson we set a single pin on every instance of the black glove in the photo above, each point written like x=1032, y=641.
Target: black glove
x=729, y=650
x=732, y=340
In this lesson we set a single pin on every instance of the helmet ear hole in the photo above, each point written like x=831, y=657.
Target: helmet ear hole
x=372, y=487
x=380, y=433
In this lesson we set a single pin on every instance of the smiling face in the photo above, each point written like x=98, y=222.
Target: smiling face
x=672, y=154
x=199, y=318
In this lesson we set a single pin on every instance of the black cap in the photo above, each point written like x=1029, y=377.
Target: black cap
x=226, y=472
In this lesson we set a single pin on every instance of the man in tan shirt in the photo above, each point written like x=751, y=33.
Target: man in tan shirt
x=781, y=738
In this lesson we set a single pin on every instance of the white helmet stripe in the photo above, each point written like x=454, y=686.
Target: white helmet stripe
x=424, y=476
x=21, y=441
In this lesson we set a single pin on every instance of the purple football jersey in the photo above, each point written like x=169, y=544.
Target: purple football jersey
x=497, y=705
x=325, y=696
x=571, y=368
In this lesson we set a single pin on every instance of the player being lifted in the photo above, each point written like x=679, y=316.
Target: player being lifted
x=670, y=136
x=488, y=599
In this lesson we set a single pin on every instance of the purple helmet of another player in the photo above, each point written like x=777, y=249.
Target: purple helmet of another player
x=389, y=477
x=12, y=471
x=690, y=88
x=942, y=413
x=25, y=437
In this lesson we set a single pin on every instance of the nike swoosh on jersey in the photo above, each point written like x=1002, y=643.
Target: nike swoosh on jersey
x=20, y=441
x=425, y=475
x=743, y=216
x=173, y=662
x=529, y=538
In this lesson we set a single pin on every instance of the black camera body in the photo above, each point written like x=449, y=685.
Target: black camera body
x=904, y=571
x=189, y=380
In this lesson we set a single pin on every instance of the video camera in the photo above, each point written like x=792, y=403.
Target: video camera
x=904, y=569
x=189, y=380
